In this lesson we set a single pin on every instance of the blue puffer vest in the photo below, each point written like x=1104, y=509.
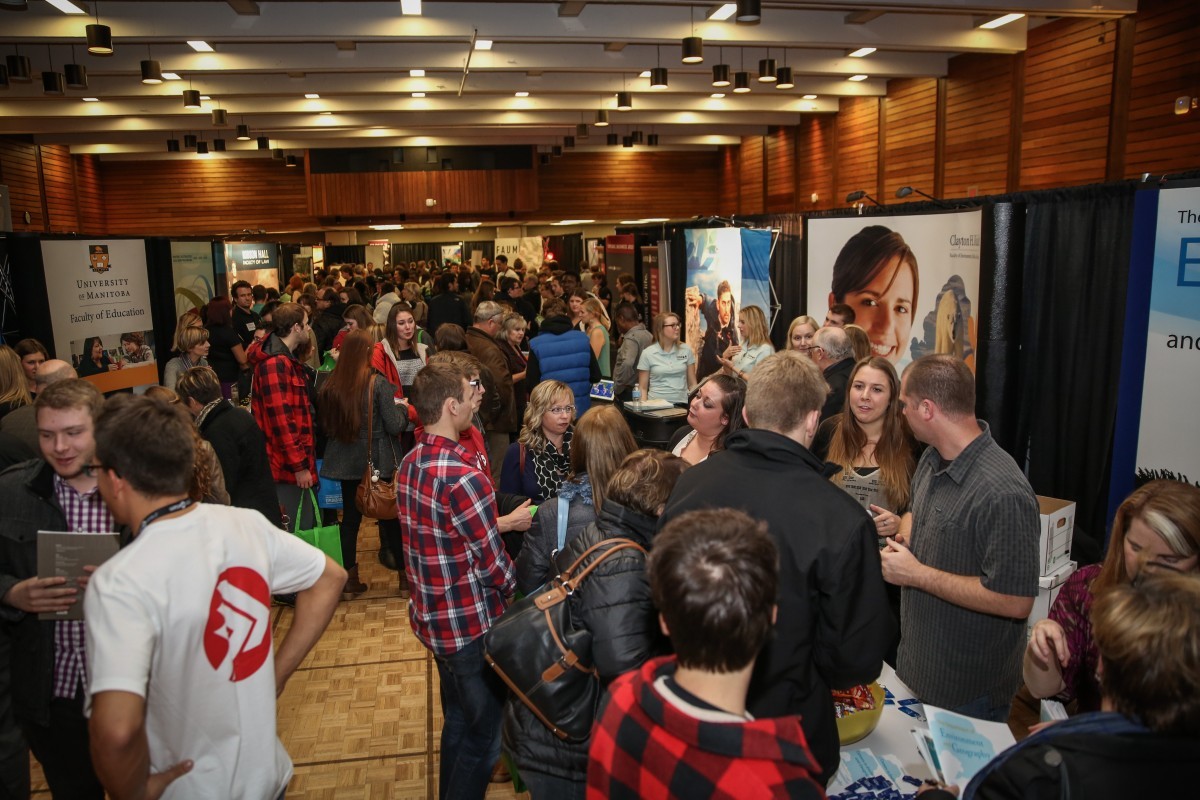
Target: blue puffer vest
x=566, y=357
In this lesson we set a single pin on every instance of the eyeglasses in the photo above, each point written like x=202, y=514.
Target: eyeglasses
x=671, y=325
x=91, y=470
x=563, y=410
x=476, y=384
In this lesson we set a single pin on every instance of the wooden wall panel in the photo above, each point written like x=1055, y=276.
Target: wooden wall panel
x=19, y=171
x=781, y=170
x=630, y=184
x=815, y=161
x=1068, y=89
x=1165, y=66
x=90, y=194
x=203, y=196
x=752, y=173
x=978, y=107
x=857, y=147
x=390, y=194
x=729, y=183
x=58, y=177
x=910, y=112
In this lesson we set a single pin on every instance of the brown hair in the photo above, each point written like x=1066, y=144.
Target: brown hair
x=72, y=393
x=1169, y=508
x=344, y=395
x=389, y=330
x=945, y=380
x=362, y=318
x=660, y=321
x=714, y=577
x=1148, y=635
x=200, y=384
x=644, y=481
x=893, y=451
x=859, y=340
x=219, y=311
x=434, y=384
x=192, y=337
x=14, y=385
x=286, y=316
x=601, y=442
x=450, y=336
x=161, y=465
x=782, y=390
x=865, y=255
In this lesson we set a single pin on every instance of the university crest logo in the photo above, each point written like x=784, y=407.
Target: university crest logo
x=98, y=254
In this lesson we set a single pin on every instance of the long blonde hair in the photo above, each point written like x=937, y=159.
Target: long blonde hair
x=541, y=400
x=755, y=324
x=597, y=308
x=14, y=385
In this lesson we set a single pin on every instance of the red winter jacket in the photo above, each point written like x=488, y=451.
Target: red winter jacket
x=282, y=406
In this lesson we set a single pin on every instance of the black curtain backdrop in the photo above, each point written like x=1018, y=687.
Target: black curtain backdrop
x=567, y=249
x=999, y=316
x=345, y=254
x=487, y=247
x=402, y=254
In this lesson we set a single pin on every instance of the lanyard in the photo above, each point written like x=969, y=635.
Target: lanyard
x=178, y=505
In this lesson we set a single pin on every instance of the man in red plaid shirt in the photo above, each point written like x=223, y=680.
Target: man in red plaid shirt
x=678, y=727
x=282, y=407
x=460, y=577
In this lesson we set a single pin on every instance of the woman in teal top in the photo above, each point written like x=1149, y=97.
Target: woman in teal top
x=667, y=368
x=739, y=359
x=596, y=323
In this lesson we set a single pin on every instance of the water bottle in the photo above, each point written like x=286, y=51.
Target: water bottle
x=637, y=396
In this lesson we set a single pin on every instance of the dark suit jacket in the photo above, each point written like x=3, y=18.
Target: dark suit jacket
x=837, y=376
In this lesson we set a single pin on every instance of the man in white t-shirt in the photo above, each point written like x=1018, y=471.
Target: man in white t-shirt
x=183, y=679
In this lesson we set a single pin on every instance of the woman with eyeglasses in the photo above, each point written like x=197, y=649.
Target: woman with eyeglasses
x=1156, y=529
x=538, y=462
x=800, y=334
x=715, y=411
x=667, y=368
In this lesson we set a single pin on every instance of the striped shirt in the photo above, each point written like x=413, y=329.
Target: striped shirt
x=85, y=513
x=458, y=571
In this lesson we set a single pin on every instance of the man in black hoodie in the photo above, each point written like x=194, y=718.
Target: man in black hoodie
x=328, y=320
x=833, y=625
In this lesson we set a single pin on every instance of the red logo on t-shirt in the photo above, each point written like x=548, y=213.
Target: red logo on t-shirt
x=237, y=637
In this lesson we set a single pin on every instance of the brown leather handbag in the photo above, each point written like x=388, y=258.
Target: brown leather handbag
x=376, y=496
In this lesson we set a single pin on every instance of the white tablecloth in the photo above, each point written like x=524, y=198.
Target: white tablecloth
x=892, y=736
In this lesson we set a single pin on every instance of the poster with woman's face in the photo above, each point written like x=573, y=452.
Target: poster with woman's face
x=911, y=282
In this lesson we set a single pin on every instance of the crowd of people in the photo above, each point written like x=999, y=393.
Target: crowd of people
x=818, y=514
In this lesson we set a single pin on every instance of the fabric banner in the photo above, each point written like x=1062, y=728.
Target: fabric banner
x=192, y=270
x=99, y=297
x=926, y=307
x=507, y=247
x=254, y=262
x=618, y=255
x=452, y=252
x=532, y=252
x=653, y=286
x=720, y=280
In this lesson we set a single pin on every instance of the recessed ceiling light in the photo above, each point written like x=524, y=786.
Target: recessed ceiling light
x=205, y=97
x=644, y=73
x=717, y=95
x=171, y=76
x=809, y=97
x=465, y=224
x=522, y=94
x=483, y=44
x=411, y=8
x=326, y=113
x=857, y=78
x=387, y=227
x=573, y=222
x=418, y=94
x=91, y=99
x=200, y=47
x=416, y=73
x=312, y=96
x=999, y=21
x=861, y=52
x=66, y=7
x=722, y=11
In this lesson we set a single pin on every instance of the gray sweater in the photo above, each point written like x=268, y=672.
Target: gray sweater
x=345, y=461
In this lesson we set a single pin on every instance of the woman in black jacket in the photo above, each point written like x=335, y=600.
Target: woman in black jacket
x=614, y=604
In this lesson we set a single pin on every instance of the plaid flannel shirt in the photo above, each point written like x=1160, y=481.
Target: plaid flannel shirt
x=458, y=572
x=282, y=408
x=643, y=746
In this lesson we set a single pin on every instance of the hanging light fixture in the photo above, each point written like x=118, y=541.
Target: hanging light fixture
x=784, y=78
x=569, y=142
x=76, y=73
x=277, y=154
x=627, y=141
x=219, y=117
x=556, y=150
x=219, y=144
x=652, y=140
x=624, y=101
x=693, y=46
x=766, y=69
x=19, y=69
x=189, y=140
x=638, y=137
x=202, y=149
x=749, y=12
x=612, y=140
x=3, y=76
x=243, y=132
x=581, y=130
x=52, y=82
x=720, y=72
x=191, y=98
x=99, y=37
x=658, y=75
x=172, y=144
x=741, y=78
x=291, y=161
x=602, y=118
x=264, y=143
x=544, y=159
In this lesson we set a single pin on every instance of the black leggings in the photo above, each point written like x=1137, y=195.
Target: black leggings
x=389, y=529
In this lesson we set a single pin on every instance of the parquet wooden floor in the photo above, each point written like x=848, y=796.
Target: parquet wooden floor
x=360, y=717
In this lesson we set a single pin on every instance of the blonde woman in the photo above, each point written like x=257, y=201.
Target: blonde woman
x=539, y=461
x=14, y=385
x=800, y=335
x=596, y=325
x=754, y=343
x=193, y=348
x=667, y=369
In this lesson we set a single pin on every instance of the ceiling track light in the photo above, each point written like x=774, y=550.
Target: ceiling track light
x=624, y=101
x=612, y=140
x=767, y=72
x=602, y=118
x=264, y=143
x=749, y=12
x=243, y=133
x=741, y=83
x=191, y=98
x=784, y=79
x=220, y=117
x=189, y=140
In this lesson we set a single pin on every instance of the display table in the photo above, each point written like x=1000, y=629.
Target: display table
x=654, y=427
x=893, y=734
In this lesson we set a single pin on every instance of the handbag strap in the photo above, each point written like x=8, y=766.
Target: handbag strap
x=300, y=507
x=564, y=508
x=570, y=581
x=370, y=422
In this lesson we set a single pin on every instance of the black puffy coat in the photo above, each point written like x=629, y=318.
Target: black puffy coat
x=614, y=604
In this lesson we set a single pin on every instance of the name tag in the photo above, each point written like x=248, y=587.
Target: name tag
x=249, y=326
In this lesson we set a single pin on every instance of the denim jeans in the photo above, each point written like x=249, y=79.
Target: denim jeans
x=981, y=708
x=472, y=705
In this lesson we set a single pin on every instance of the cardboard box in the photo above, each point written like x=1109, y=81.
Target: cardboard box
x=1048, y=591
x=1058, y=527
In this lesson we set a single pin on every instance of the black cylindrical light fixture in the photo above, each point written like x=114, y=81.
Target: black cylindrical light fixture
x=638, y=137
x=76, y=76
x=556, y=150
x=19, y=70
x=602, y=118
x=99, y=39
x=243, y=133
x=612, y=140
x=626, y=141
x=219, y=117
x=766, y=70
x=720, y=75
x=264, y=143
x=741, y=82
x=219, y=145
x=569, y=142
x=784, y=79
x=652, y=140
x=277, y=153
x=52, y=83
x=172, y=145
x=544, y=159
x=191, y=98
x=581, y=130
x=658, y=78
x=202, y=149
x=291, y=161
x=189, y=140
x=3, y=76
x=151, y=72
x=624, y=101
x=749, y=12
x=693, y=50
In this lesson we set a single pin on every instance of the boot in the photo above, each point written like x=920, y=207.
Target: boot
x=354, y=587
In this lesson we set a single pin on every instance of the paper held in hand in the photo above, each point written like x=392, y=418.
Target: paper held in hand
x=963, y=745
x=62, y=554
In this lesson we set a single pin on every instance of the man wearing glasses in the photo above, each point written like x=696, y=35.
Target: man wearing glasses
x=499, y=410
x=57, y=492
